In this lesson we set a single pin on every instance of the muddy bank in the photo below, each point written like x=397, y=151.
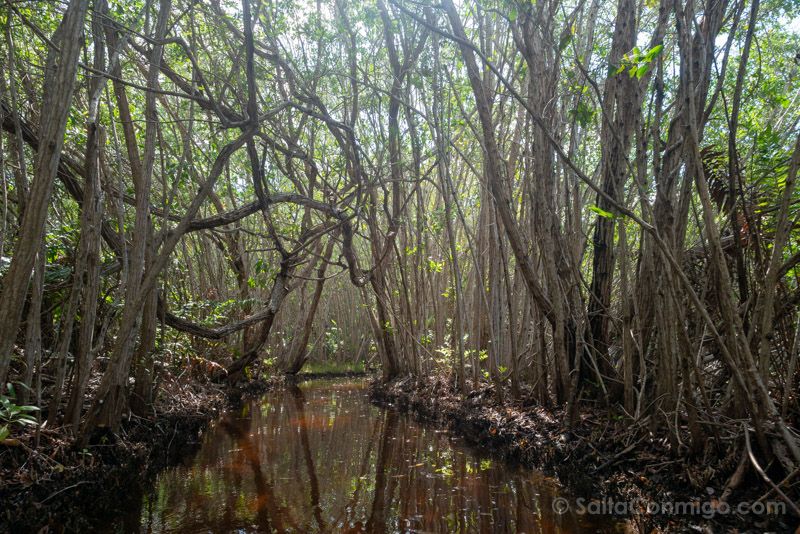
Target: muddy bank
x=593, y=459
x=62, y=487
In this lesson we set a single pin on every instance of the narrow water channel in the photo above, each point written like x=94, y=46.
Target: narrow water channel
x=321, y=458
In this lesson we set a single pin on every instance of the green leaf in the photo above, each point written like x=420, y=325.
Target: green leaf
x=26, y=420
x=583, y=114
x=601, y=212
x=653, y=53
x=566, y=39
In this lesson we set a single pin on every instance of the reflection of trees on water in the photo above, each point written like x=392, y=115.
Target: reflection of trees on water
x=377, y=516
x=322, y=459
x=299, y=405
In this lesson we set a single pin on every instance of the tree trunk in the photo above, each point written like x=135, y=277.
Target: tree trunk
x=298, y=353
x=621, y=112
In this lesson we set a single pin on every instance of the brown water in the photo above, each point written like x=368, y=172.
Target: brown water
x=321, y=458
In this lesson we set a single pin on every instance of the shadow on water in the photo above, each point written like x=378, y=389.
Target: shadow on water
x=321, y=458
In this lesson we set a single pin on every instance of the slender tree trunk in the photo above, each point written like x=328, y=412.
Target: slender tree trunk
x=33, y=328
x=621, y=112
x=142, y=397
x=298, y=353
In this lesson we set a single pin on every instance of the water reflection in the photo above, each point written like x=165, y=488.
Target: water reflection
x=320, y=458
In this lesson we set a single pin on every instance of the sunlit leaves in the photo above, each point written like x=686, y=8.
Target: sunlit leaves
x=637, y=63
x=435, y=266
x=601, y=212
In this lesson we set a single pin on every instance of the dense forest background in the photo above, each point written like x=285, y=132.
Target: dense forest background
x=580, y=203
